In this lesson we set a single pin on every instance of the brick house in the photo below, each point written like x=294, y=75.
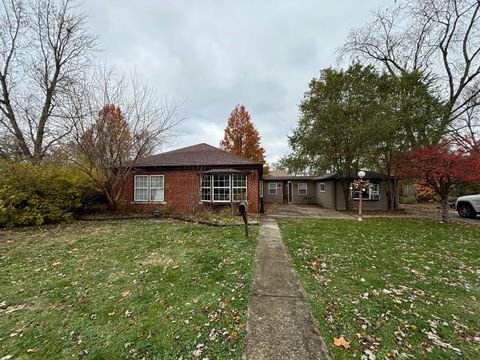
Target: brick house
x=192, y=179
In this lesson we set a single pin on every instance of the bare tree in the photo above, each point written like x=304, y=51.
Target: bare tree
x=466, y=133
x=117, y=121
x=439, y=38
x=44, y=49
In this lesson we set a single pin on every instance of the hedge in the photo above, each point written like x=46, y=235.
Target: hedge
x=37, y=194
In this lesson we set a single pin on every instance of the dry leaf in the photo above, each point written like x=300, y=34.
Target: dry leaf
x=13, y=308
x=111, y=313
x=174, y=267
x=341, y=342
x=125, y=293
x=83, y=299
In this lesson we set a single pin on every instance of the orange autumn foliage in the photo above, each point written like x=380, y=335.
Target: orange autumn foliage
x=241, y=137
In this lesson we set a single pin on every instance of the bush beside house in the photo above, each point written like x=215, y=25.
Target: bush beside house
x=36, y=194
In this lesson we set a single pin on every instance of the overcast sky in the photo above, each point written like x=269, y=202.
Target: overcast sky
x=210, y=55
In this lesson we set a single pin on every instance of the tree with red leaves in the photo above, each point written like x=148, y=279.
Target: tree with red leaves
x=441, y=168
x=241, y=137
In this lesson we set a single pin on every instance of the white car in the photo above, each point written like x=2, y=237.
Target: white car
x=468, y=206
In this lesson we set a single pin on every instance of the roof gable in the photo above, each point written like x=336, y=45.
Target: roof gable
x=196, y=155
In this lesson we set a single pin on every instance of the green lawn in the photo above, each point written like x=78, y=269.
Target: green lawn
x=392, y=288
x=124, y=289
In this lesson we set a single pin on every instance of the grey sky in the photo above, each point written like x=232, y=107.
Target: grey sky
x=210, y=55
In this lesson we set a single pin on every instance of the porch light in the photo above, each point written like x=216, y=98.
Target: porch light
x=360, y=185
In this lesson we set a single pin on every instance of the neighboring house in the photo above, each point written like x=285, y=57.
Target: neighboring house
x=326, y=191
x=193, y=178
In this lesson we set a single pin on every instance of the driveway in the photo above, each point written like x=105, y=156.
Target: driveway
x=432, y=211
x=308, y=211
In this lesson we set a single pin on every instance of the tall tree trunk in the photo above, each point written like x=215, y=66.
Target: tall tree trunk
x=395, y=194
x=347, y=195
x=445, y=208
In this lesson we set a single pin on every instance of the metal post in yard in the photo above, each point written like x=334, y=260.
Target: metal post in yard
x=243, y=210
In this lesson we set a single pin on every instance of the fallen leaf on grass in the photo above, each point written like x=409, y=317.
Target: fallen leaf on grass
x=12, y=308
x=111, y=313
x=223, y=303
x=437, y=340
x=174, y=267
x=83, y=299
x=341, y=342
x=125, y=293
x=368, y=355
x=19, y=331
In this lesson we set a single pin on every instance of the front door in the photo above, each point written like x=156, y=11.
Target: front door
x=290, y=192
x=285, y=192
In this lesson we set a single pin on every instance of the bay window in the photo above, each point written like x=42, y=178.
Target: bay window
x=223, y=187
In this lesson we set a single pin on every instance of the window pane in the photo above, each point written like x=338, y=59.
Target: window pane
x=206, y=181
x=239, y=187
x=141, y=194
x=221, y=187
x=206, y=187
x=239, y=180
x=156, y=181
x=239, y=194
x=272, y=188
x=141, y=181
x=140, y=188
x=206, y=194
x=302, y=189
x=156, y=194
x=221, y=194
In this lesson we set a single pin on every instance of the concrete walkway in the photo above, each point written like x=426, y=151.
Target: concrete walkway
x=280, y=324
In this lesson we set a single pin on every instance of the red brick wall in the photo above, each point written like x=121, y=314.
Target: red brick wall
x=182, y=191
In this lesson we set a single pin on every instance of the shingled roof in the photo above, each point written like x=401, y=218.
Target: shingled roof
x=196, y=155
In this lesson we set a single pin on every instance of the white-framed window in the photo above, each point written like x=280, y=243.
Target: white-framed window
x=223, y=187
x=239, y=187
x=148, y=188
x=140, y=188
x=321, y=187
x=272, y=188
x=206, y=187
x=302, y=189
x=372, y=192
x=261, y=188
x=375, y=192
